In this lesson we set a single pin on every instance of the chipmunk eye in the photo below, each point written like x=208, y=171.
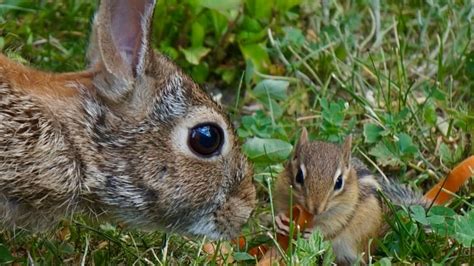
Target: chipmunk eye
x=299, y=177
x=339, y=183
x=205, y=139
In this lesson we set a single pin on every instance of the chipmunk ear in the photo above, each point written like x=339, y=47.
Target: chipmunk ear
x=303, y=140
x=120, y=44
x=346, y=150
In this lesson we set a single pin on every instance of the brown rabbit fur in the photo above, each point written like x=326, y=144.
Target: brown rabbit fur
x=113, y=140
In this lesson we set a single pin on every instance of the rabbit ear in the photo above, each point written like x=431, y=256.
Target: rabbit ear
x=121, y=43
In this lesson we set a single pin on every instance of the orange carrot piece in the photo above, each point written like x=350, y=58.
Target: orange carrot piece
x=240, y=242
x=301, y=218
x=256, y=251
x=452, y=183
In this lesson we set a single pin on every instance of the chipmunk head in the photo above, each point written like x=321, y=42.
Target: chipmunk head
x=320, y=174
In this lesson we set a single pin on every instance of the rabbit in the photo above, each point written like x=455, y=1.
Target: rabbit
x=131, y=139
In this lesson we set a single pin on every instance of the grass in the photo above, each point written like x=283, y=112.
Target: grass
x=398, y=75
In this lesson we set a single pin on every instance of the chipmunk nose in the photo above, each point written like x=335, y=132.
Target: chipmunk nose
x=321, y=209
x=312, y=206
x=316, y=207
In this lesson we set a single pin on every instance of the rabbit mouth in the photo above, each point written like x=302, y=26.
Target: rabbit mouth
x=227, y=220
x=206, y=226
x=215, y=227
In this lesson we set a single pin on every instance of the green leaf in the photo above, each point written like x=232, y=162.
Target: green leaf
x=438, y=94
x=293, y=36
x=248, y=121
x=275, y=89
x=200, y=72
x=250, y=26
x=194, y=54
x=66, y=248
x=284, y=5
x=441, y=210
x=267, y=91
x=405, y=143
x=221, y=5
x=273, y=107
x=445, y=153
x=464, y=229
x=419, y=214
x=383, y=262
x=384, y=155
x=169, y=51
x=429, y=114
x=243, y=256
x=267, y=150
x=334, y=126
x=435, y=219
x=5, y=255
x=259, y=9
x=228, y=74
x=249, y=71
x=198, y=32
x=448, y=156
x=220, y=21
x=308, y=250
x=257, y=54
x=372, y=133
x=444, y=229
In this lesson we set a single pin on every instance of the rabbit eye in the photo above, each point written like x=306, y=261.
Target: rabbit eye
x=205, y=139
x=339, y=183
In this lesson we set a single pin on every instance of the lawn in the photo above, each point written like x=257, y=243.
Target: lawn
x=397, y=74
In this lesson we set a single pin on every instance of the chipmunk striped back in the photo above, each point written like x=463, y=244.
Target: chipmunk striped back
x=396, y=193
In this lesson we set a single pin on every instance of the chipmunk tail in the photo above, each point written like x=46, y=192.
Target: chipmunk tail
x=441, y=193
x=403, y=195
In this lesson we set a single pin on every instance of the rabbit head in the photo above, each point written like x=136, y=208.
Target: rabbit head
x=167, y=156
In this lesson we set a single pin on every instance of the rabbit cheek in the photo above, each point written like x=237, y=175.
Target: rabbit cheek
x=222, y=206
x=240, y=199
x=226, y=222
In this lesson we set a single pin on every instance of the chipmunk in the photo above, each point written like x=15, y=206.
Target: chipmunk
x=341, y=193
